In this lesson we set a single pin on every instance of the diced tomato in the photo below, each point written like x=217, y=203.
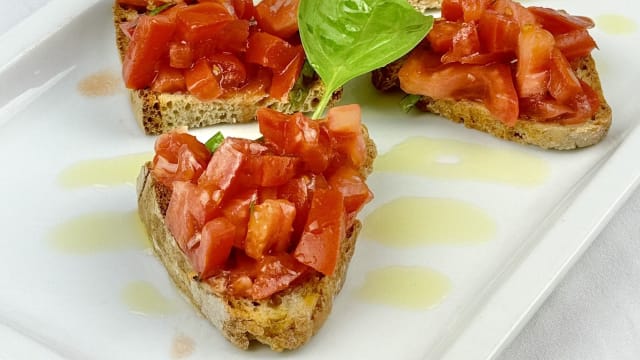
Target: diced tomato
x=283, y=81
x=178, y=218
x=179, y=156
x=584, y=104
x=236, y=210
x=516, y=11
x=233, y=37
x=229, y=69
x=559, y=21
x=276, y=274
x=244, y=9
x=563, y=82
x=148, y=45
x=319, y=245
x=168, y=80
x=498, y=32
x=267, y=193
x=273, y=127
x=278, y=17
x=575, y=44
x=305, y=138
x=345, y=120
x=180, y=55
x=258, y=82
x=269, y=51
x=464, y=43
x=223, y=168
x=452, y=10
x=270, y=226
x=535, y=46
x=200, y=22
x=440, y=37
x=489, y=84
x=543, y=109
x=298, y=191
x=351, y=185
x=271, y=170
x=215, y=246
x=201, y=82
x=472, y=9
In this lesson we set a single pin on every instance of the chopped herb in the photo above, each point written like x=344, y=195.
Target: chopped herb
x=214, y=142
x=161, y=8
x=408, y=102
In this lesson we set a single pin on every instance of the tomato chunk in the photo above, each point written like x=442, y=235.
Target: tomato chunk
x=271, y=170
x=149, y=43
x=278, y=17
x=464, y=43
x=201, y=82
x=237, y=210
x=180, y=55
x=269, y=51
x=223, y=169
x=563, y=83
x=168, y=80
x=498, y=32
x=179, y=156
x=283, y=81
x=200, y=22
x=182, y=225
x=559, y=21
x=535, y=46
x=270, y=226
x=440, y=37
x=215, y=246
x=319, y=245
x=276, y=274
x=575, y=44
x=229, y=69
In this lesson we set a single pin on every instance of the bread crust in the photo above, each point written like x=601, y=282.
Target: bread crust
x=284, y=321
x=423, y=5
x=547, y=135
x=158, y=113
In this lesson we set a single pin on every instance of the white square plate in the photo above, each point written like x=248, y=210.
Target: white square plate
x=60, y=300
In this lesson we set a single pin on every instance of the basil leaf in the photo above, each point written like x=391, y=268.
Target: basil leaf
x=161, y=8
x=214, y=142
x=344, y=39
x=408, y=102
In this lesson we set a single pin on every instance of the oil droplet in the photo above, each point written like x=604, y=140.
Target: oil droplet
x=104, y=172
x=616, y=24
x=414, y=288
x=415, y=221
x=102, y=83
x=143, y=298
x=101, y=231
x=182, y=347
x=450, y=159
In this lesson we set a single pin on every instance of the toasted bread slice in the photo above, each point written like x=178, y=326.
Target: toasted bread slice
x=422, y=5
x=284, y=321
x=158, y=113
x=547, y=135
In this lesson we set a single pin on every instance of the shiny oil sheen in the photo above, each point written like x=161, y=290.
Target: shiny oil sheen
x=141, y=297
x=405, y=287
x=120, y=170
x=418, y=221
x=100, y=232
x=451, y=159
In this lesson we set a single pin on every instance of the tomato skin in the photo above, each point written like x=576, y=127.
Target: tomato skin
x=464, y=43
x=276, y=274
x=216, y=241
x=278, y=17
x=575, y=44
x=270, y=226
x=283, y=81
x=498, y=32
x=535, y=46
x=452, y=10
x=201, y=82
x=563, y=83
x=559, y=21
x=146, y=48
x=200, y=22
x=492, y=84
x=168, y=80
x=179, y=156
x=325, y=228
x=269, y=51
x=223, y=169
x=229, y=69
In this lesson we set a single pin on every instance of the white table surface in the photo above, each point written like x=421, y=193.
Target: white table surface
x=595, y=311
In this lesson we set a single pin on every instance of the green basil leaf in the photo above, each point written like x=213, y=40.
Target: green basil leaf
x=214, y=142
x=344, y=39
x=408, y=102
